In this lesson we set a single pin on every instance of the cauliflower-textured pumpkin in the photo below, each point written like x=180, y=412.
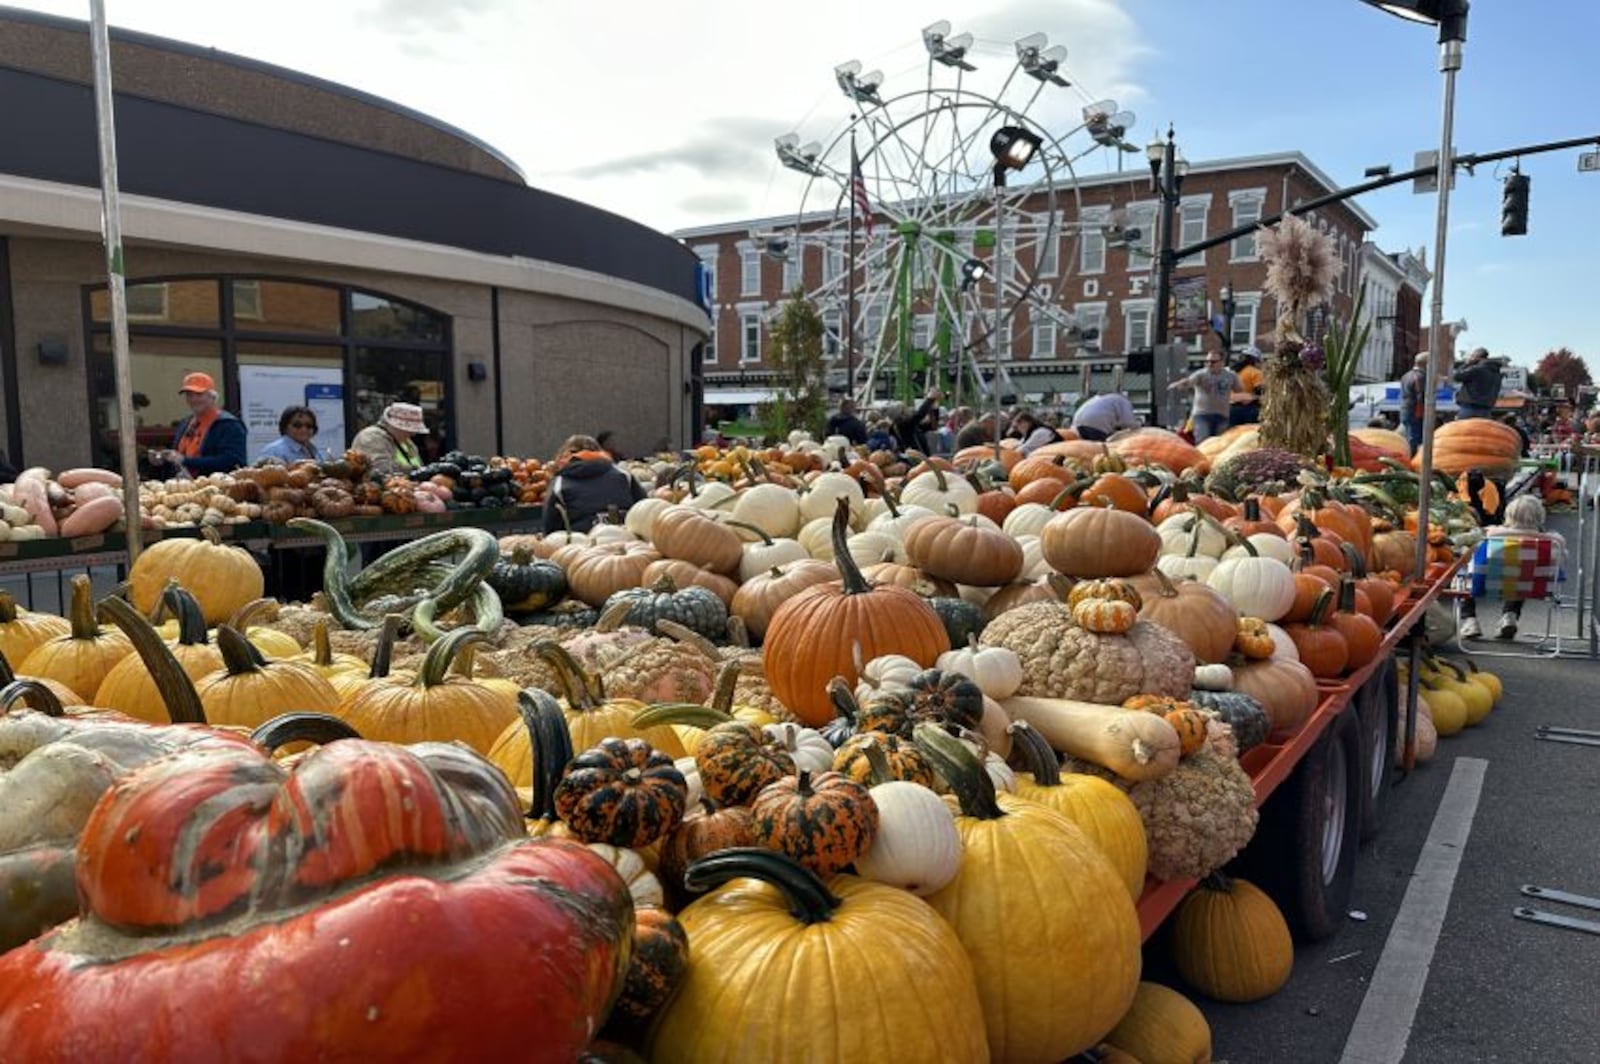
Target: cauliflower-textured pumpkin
x=1062, y=660
x=1197, y=817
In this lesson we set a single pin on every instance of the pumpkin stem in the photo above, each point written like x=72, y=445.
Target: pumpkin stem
x=809, y=899
x=549, y=747
x=843, y=699
x=443, y=653
x=177, y=690
x=1319, y=612
x=32, y=694
x=679, y=633
x=521, y=556
x=664, y=585
x=1347, y=596
x=6, y=673
x=321, y=648
x=892, y=501
x=239, y=655
x=738, y=632
x=766, y=540
x=81, y=613
x=690, y=713
x=576, y=683
x=191, y=621
x=1037, y=757
x=1252, y=508
x=1160, y=496
x=1167, y=588
x=877, y=760
x=849, y=571
x=8, y=608
x=727, y=680
x=1218, y=881
x=285, y=728
x=960, y=768
x=612, y=616
x=1353, y=558
x=383, y=649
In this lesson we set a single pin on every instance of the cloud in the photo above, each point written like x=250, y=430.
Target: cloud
x=723, y=204
x=415, y=16
x=721, y=147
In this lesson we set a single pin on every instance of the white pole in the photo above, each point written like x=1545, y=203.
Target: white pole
x=111, y=225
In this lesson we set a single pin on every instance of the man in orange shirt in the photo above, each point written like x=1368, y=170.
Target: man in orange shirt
x=1245, y=405
x=209, y=440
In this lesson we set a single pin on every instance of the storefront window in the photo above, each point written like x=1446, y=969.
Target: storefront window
x=183, y=303
x=392, y=352
x=159, y=364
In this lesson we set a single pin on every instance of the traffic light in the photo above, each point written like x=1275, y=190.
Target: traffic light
x=1514, y=205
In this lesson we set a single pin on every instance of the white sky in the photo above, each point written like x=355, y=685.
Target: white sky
x=663, y=112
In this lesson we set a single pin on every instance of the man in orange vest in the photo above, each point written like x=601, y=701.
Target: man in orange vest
x=209, y=440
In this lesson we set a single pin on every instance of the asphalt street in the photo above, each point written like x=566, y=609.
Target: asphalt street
x=1498, y=989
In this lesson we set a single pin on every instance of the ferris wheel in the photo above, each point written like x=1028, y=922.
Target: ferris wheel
x=940, y=213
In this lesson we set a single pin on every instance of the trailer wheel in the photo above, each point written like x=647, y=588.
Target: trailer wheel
x=1304, y=852
x=1379, y=713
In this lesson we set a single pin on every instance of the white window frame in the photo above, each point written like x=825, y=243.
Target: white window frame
x=750, y=314
x=249, y=308
x=832, y=334
x=1047, y=253
x=922, y=332
x=1003, y=340
x=750, y=258
x=1092, y=240
x=1091, y=316
x=1245, y=205
x=146, y=314
x=833, y=263
x=708, y=258
x=708, y=355
x=1192, y=226
x=1044, y=335
x=1008, y=251
x=1246, y=308
x=1137, y=310
x=1144, y=217
x=872, y=315
x=793, y=268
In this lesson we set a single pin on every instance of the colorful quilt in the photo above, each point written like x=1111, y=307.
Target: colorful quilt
x=1507, y=568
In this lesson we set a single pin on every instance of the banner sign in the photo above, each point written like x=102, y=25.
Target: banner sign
x=1189, y=306
x=266, y=391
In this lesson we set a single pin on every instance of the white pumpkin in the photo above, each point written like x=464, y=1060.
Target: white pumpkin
x=917, y=846
x=835, y=443
x=1183, y=567
x=816, y=536
x=1216, y=677
x=1257, y=587
x=1028, y=519
x=996, y=670
x=1283, y=648
x=897, y=524
x=611, y=534
x=691, y=776
x=870, y=548
x=975, y=595
x=822, y=495
x=762, y=557
x=772, y=508
x=1265, y=545
x=806, y=746
x=1185, y=533
x=642, y=883
x=708, y=495
x=642, y=516
x=568, y=539
x=1000, y=773
x=1034, y=565
x=891, y=670
x=939, y=491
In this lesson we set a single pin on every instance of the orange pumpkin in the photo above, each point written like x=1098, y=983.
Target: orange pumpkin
x=962, y=550
x=1476, y=443
x=1322, y=648
x=1154, y=446
x=1361, y=633
x=1114, y=489
x=1106, y=616
x=1090, y=541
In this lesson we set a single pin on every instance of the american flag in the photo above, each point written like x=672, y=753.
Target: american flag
x=861, y=205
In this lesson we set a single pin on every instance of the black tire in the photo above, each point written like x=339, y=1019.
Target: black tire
x=1379, y=713
x=1304, y=851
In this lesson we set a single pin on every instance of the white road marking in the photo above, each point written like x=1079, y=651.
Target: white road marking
x=1383, y=1026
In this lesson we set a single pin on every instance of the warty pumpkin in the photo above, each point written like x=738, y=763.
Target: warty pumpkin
x=83, y=657
x=206, y=869
x=1230, y=942
x=1016, y=853
x=816, y=635
x=220, y=577
x=738, y=1006
x=435, y=706
x=621, y=792
x=824, y=820
x=1099, y=808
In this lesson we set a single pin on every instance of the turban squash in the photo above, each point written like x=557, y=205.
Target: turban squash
x=294, y=899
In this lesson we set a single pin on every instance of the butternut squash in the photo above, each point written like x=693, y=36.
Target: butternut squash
x=91, y=517
x=76, y=478
x=1136, y=746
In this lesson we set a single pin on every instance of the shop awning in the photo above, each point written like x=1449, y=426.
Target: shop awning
x=738, y=396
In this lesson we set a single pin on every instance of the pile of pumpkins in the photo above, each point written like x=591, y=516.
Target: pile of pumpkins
x=1451, y=697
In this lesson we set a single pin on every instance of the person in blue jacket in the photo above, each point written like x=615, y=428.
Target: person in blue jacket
x=209, y=440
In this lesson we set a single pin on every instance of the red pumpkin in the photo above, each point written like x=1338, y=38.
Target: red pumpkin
x=1322, y=648
x=236, y=910
x=1361, y=634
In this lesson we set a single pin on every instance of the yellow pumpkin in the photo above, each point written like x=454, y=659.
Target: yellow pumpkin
x=1031, y=882
x=787, y=969
x=1099, y=808
x=222, y=579
x=434, y=707
x=322, y=658
x=1163, y=1027
x=271, y=642
x=1230, y=942
x=83, y=657
x=131, y=686
x=248, y=690
x=22, y=630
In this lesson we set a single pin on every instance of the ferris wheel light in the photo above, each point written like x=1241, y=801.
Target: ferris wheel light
x=862, y=88
x=972, y=271
x=1014, y=147
x=945, y=49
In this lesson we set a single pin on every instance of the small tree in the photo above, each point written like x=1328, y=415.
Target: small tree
x=1563, y=367
x=796, y=358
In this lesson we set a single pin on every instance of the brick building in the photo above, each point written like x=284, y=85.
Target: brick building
x=1100, y=291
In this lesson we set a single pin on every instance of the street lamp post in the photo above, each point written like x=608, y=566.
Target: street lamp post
x=1013, y=147
x=1451, y=18
x=1229, y=308
x=1167, y=168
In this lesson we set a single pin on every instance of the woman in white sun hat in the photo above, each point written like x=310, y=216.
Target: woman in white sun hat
x=388, y=445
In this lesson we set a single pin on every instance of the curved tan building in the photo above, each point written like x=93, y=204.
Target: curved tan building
x=304, y=242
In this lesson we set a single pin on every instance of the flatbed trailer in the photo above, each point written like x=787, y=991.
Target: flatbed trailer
x=1272, y=764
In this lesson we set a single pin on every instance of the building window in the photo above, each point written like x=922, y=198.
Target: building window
x=750, y=336
x=872, y=326
x=1246, y=211
x=247, y=300
x=1142, y=216
x=791, y=268
x=1245, y=312
x=1192, y=227
x=749, y=271
x=147, y=302
x=832, y=333
x=1092, y=241
x=1044, y=335
x=1091, y=318
x=832, y=263
x=708, y=352
x=1136, y=325
x=708, y=260
x=1047, y=251
x=922, y=332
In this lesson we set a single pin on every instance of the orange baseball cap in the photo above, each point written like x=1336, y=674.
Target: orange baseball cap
x=198, y=382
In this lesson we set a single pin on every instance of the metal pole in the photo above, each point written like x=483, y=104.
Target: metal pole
x=850, y=283
x=999, y=294
x=1167, y=184
x=1449, y=63
x=111, y=224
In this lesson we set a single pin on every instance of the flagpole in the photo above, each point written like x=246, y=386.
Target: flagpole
x=850, y=284
x=111, y=225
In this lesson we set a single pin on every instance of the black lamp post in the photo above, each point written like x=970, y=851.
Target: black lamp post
x=1167, y=168
x=1229, y=308
x=1013, y=148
